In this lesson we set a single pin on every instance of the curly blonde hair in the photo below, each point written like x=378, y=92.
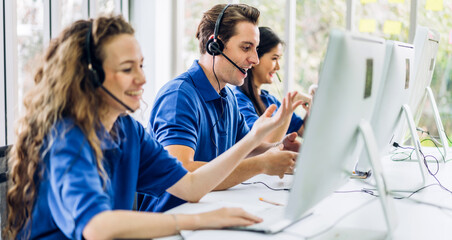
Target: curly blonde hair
x=62, y=89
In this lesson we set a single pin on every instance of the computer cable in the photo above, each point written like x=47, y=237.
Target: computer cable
x=436, y=160
x=430, y=172
x=414, y=192
x=363, y=190
x=408, y=156
x=428, y=133
x=259, y=182
x=448, y=139
x=221, y=103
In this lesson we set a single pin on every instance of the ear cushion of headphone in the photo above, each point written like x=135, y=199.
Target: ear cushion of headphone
x=97, y=75
x=213, y=46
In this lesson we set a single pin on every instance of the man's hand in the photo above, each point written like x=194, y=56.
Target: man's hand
x=276, y=161
x=291, y=143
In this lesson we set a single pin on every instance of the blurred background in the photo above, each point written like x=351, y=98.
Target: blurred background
x=166, y=32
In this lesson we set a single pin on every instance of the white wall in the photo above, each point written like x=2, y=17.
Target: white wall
x=152, y=22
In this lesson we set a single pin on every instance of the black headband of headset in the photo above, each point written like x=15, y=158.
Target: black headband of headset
x=218, y=22
x=88, y=45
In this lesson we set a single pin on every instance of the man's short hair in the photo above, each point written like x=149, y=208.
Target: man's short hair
x=233, y=15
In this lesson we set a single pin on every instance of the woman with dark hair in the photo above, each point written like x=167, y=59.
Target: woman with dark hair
x=79, y=157
x=253, y=100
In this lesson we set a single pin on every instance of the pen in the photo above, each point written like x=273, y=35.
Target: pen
x=271, y=202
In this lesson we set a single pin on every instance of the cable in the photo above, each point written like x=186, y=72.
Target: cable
x=434, y=175
x=274, y=189
x=426, y=165
x=448, y=139
x=221, y=102
x=408, y=157
x=370, y=191
x=414, y=192
x=363, y=190
x=436, y=160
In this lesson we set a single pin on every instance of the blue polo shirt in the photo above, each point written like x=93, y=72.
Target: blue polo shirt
x=71, y=192
x=248, y=110
x=188, y=111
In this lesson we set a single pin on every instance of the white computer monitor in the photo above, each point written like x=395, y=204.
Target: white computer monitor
x=426, y=42
x=341, y=112
x=392, y=109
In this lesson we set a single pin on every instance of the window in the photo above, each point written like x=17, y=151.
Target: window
x=194, y=10
x=315, y=19
x=272, y=15
x=70, y=11
x=387, y=19
x=30, y=29
x=104, y=7
x=437, y=15
x=2, y=84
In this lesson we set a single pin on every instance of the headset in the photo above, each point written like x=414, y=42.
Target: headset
x=215, y=46
x=95, y=71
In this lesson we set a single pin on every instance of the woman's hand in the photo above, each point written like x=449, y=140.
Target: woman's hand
x=306, y=100
x=226, y=217
x=266, y=123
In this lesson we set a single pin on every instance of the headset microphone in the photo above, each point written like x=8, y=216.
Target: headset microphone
x=215, y=48
x=96, y=72
x=116, y=99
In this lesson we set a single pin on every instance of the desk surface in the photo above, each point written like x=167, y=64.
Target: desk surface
x=352, y=215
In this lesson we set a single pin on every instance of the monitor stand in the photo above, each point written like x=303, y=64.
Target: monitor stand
x=374, y=160
x=445, y=150
x=406, y=112
x=439, y=123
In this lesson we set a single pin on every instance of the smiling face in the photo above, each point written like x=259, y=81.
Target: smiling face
x=124, y=76
x=241, y=49
x=264, y=72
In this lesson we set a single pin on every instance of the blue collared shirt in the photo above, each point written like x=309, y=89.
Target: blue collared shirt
x=188, y=111
x=71, y=192
x=248, y=110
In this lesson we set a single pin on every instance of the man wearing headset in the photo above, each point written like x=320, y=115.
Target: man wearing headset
x=195, y=116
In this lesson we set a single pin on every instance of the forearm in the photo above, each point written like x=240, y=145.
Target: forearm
x=263, y=147
x=278, y=133
x=129, y=224
x=247, y=169
x=209, y=176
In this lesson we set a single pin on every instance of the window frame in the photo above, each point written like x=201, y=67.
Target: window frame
x=3, y=81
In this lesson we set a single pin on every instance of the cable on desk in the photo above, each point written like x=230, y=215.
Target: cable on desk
x=426, y=165
x=408, y=156
x=448, y=139
x=372, y=191
x=436, y=145
x=274, y=189
x=414, y=192
x=363, y=190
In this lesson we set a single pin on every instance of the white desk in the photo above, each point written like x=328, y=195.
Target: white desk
x=353, y=215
